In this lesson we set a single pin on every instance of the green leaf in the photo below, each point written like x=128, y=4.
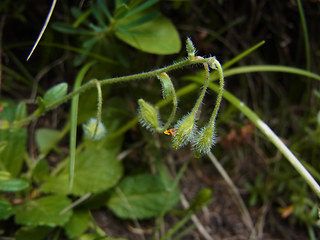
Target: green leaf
x=96, y=170
x=44, y=211
x=5, y=210
x=78, y=224
x=141, y=7
x=158, y=36
x=55, y=93
x=40, y=172
x=13, y=185
x=21, y=111
x=142, y=20
x=11, y=156
x=47, y=139
x=56, y=184
x=142, y=196
x=32, y=233
x=64, y=28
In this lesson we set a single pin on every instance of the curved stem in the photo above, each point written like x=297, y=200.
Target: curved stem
x=91, y=84
x=174, y=109
x=204, y=88
x=99, y=108
x=219, y=97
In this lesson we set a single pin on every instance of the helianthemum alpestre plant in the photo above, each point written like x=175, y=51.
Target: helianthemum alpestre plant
x=185, y=131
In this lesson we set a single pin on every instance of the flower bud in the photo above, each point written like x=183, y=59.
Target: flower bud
x=212, y=63
x=190, y=49
x=167, y=86
x=204, y=141
x=149, y=116
x=184, y=131
x=90, y=131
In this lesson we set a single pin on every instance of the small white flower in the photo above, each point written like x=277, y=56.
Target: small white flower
x=90, y=127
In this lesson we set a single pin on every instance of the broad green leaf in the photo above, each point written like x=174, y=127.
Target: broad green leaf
x=44, y=211
x=47, y=139
x=96, y=170
x=78, y=224
x=5, y=210
x=13, y=185
x=32, y=233
x=158, y=36
x=142, y=196
x=12, y=141
x=40, y=172
x=55, y=93
x=56, y=184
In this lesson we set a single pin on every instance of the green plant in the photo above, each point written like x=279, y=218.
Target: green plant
x=96, y=154
x=136, y=23
x=58, y=199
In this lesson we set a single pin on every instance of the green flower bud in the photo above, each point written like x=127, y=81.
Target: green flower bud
x=167, y=86
x=90, y=131
x=204, y=141
x=212, y=63
x=149, y=116
x=184, y=131
x=190, y=49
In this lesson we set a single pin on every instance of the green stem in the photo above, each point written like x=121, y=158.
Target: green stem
x=176, y=227
x=219, y=97
x=73, y=123
x=99, y=108
x=204, y=88
x=174, y=109
x=91, y=84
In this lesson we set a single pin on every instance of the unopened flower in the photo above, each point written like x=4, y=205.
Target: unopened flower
x=204, y=141
x=148, y=115
x=184, y=132
x=167, y=86
x=190, y=49
x=92, y=131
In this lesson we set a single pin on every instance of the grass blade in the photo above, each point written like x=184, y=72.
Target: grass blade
x=73, y=122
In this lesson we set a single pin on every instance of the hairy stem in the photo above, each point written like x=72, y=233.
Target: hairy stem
x=91, y=84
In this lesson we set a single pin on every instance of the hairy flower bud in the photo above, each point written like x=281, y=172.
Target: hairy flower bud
x=184, y=131
x=167, y=86
x=148, y=115
x=190, y=49
x=212, y=63
x=90, y=131
x=204, y=141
